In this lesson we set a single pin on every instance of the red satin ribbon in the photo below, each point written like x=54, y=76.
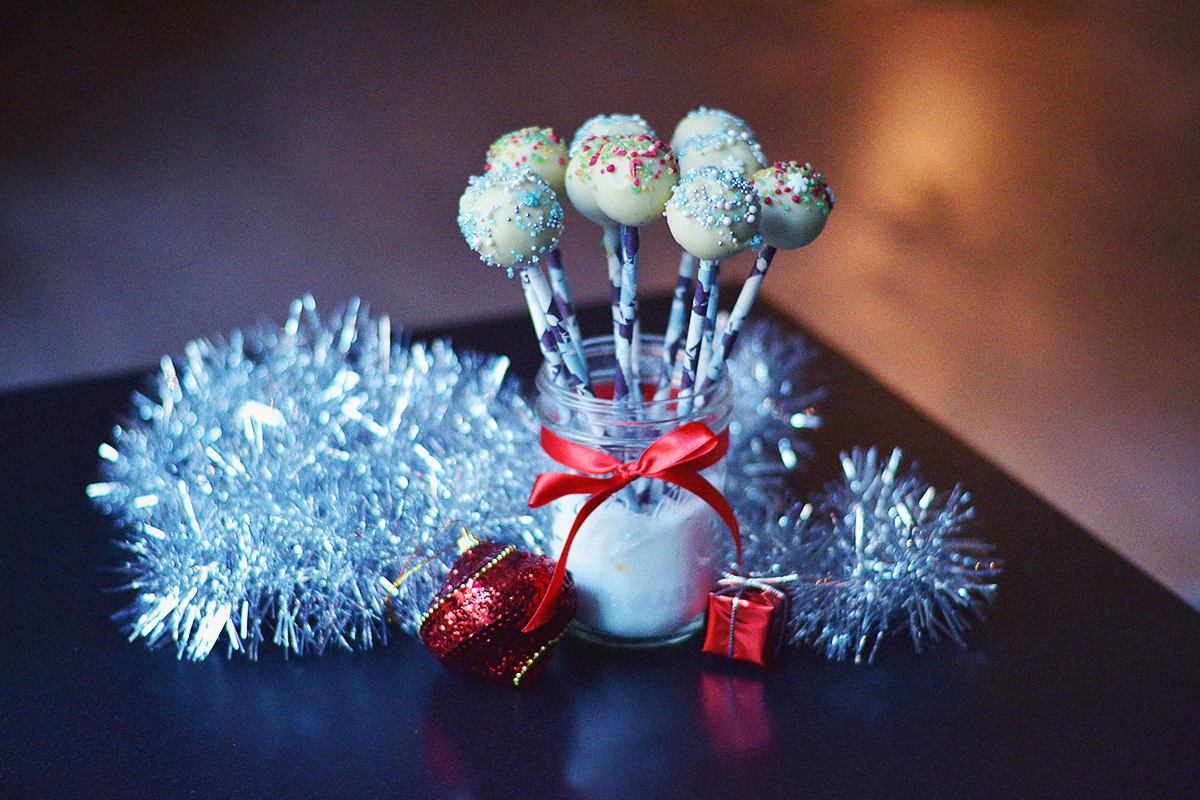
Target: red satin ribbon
x=676, y=458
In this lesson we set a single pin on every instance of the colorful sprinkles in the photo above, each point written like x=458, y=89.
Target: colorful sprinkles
x=713, y=212
x=610, y=125
x=632, y=178
x=538, y=149
x=705, y=121
x=510, y=218
x=728, y=148
x=644, y=159
x=796, y=202
x=790, y=180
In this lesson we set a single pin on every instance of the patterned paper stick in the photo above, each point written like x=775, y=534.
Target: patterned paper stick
x=566, y=308
x=554, y=336
x=710, y=323
x=691, y=350
x=737, y=317
x=612, y=251
x=545, y=336
x=629, y=313
x=673, y=337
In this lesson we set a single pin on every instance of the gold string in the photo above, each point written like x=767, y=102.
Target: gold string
x=405, y=571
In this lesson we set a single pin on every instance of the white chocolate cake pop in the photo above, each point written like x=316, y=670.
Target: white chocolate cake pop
x=537, y=149
x=796, y=201
x=510, y=218
x=612, y=125
x=713, y=213
x=727, y=148
x=632, y=177
x=579, y=184
x=704, y=121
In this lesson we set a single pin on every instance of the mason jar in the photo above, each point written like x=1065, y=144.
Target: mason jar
x=645, y=560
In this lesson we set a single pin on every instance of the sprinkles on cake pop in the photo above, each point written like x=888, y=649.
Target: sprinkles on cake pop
x=713, y=213
x=796, y=203
x=704, y=121
x=579, y=184
x=611, y=125
x=510, y=218
x=632, y=178
x=727, y=148
x=538, y=149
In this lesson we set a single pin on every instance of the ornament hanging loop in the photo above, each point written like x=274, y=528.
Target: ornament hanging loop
x=465, y=541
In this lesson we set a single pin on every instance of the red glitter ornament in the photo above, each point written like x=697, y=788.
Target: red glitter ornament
x=473, y=626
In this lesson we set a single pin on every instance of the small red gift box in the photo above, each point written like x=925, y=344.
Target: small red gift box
x=746, y=623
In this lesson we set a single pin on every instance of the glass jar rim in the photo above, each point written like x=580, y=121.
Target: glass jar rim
x=716, y=398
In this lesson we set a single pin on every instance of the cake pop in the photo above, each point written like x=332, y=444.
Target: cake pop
x=704, y=121
x=538, y=149
x=700, y=122
x=713, y=213
x=580, y=187
x=732, y=149
x=796, y=202
x=582, y=194
x=632, y=177
x=512, y=219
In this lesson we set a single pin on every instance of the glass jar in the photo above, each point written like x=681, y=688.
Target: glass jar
x=645, y=560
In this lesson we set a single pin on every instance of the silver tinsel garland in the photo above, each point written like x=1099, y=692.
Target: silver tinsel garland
x=273, y=486
x=880, y=551
x=776, y=397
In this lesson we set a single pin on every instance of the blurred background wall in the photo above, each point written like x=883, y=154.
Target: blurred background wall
x=1013, y=248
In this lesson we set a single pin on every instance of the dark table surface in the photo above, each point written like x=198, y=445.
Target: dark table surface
x=1084, y=682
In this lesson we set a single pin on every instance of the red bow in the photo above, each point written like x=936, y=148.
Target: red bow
x=676, y=458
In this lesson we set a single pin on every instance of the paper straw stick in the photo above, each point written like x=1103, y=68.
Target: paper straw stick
x=673, y=337
x=545, y=337
x=691, y=350
x=613, y=252
x=559, y=336
x=630, y=247
x=737, y=317
x=628, y=373
x=566, y=308
x=635, y=351
x=553, y=338
x=710, y=322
